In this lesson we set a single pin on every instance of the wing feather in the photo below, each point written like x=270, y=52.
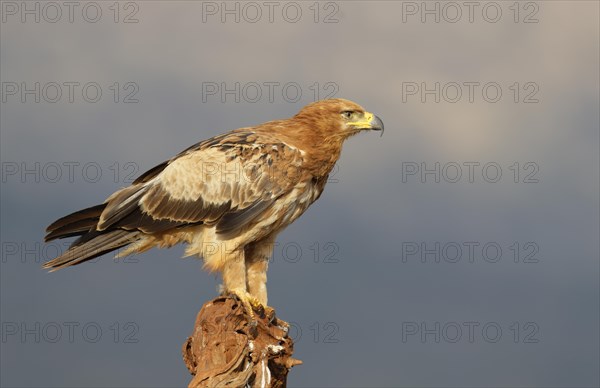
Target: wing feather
x=96, y=245
x=228, y=180
x=231, y=222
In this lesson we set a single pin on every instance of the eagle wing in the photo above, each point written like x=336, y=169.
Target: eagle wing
x=226, y=181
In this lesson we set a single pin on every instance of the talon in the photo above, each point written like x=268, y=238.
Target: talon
x=270, y=314
x=257, y=306
x=250, y=303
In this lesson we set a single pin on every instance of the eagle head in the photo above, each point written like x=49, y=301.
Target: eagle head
x=338, y=118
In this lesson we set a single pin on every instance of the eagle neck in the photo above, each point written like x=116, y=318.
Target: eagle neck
x=320, y=154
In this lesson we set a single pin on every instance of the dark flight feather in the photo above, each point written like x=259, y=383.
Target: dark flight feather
x=97, y=244
x=75, y=223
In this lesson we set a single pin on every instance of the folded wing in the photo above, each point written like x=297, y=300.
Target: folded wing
x=227, y=181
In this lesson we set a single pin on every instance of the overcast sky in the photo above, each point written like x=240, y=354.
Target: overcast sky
x=459, y=249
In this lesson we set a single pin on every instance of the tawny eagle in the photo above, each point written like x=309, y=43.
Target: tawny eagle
x=227, y=197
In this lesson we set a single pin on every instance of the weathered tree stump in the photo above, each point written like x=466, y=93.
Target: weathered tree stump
x=226, y=350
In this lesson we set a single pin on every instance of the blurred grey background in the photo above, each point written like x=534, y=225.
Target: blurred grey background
x=508, y=297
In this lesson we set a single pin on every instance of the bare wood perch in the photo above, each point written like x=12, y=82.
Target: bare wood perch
x=225, y=350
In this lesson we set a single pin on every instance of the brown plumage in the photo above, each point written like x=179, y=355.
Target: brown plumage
x=226, y=197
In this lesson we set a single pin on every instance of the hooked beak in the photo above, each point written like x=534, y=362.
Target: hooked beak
x=369, y=121
x=377, y=124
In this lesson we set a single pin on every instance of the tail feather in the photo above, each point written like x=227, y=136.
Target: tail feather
x=91, y=242
x=76, y=228
x=75, y=224
x=96, y=244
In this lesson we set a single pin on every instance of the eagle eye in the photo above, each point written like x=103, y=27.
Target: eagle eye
x=347, y=114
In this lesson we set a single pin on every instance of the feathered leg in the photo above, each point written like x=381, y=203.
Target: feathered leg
x=257, y=262
x=234, y=282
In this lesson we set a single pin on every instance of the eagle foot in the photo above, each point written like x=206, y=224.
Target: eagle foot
x=250, y=304
x=263, y=311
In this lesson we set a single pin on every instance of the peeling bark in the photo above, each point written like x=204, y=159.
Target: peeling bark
x=226, y=350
